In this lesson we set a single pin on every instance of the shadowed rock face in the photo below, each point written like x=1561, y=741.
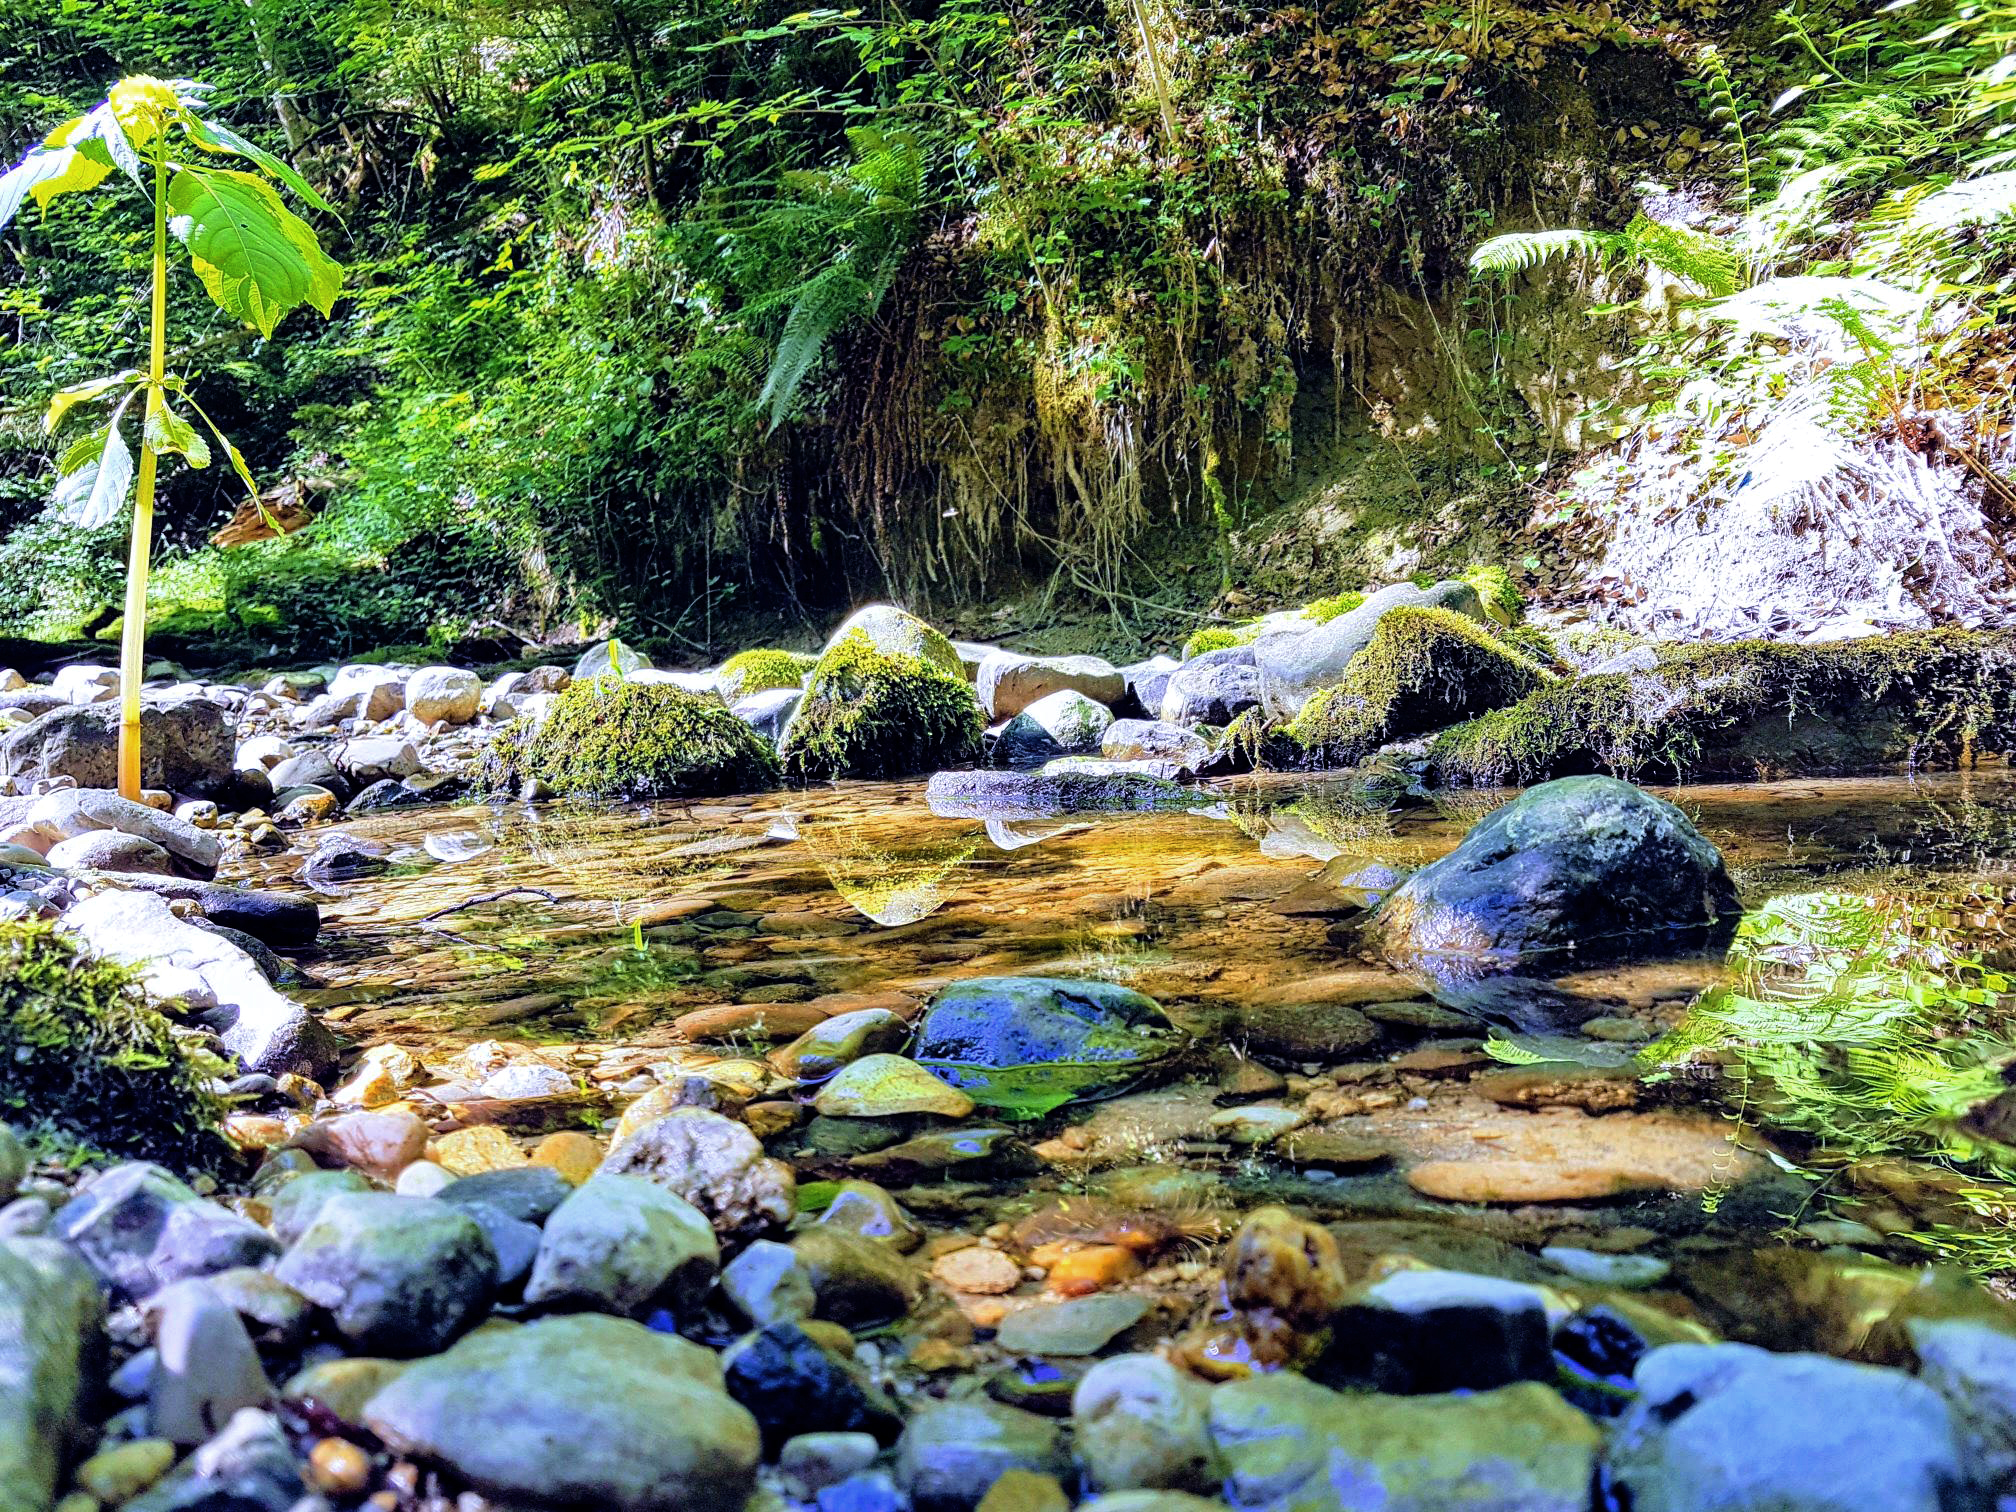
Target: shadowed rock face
x=185, y=747
x=1588, y=865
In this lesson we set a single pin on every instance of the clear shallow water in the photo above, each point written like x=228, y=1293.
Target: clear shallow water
x=625, y=919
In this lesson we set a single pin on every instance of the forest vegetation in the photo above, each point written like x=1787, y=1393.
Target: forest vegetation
x=677, y=316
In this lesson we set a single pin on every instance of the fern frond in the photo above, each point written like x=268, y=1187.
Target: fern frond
x=1708, y=262
x=1520, y=251
x=824, y=303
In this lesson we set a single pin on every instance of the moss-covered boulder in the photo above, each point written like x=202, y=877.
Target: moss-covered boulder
x=869, y=712
x=85, y=1054
x=604, y=738
x=1299, y=664
x=1753, y=709
x=765, y=671
x=1423, y=670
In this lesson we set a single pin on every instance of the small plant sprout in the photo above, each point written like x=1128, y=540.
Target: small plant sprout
x=255, y=257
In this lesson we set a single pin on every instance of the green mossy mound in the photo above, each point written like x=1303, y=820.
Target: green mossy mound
x=869, y=713
x=1222, y=637
x=1424, y=669
x=621, y=740
x=1324, y=610
x=1753, y=709
x=752, y=672
x=84, y=1056
x=1211, y=638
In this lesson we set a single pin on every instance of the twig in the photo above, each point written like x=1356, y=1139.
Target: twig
x=496, y=897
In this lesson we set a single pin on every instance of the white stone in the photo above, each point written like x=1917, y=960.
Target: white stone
x=443, y=693
x=86, y=685
x=11, y=681
x=79, y=811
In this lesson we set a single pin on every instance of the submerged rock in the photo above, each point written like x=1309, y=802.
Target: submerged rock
x=1586, y=868
x=712, y=1162
x=1026, y=1045
x=577, y=1412
x=1736, y=1429
x=1292, y=1445
x=49, y=1309
x=953, y=1452
x=1140, y=1425
x=1051, y=793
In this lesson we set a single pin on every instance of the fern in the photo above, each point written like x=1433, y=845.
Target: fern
x=1522, y=251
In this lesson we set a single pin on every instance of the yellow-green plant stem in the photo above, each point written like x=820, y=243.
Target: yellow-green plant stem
x=133, y=633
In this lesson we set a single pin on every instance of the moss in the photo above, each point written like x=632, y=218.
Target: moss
x=1211, y=638
x=1754, y=709
x=1423, y=669
x=84, y=1055
x=871, y=714
x=1324, y=610
x=752, y=672
x=1536, y=645
x=608, y=739
x=1503, y=603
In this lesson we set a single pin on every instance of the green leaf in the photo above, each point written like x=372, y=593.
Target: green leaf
x=83, y=450
x=217, y=137
x=255, y=256
x=67, y=399
x=47, y=172
x=232, y=454
x=167, y=432
x=110, y=480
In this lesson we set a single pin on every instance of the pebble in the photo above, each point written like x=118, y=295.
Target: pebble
x=1083, y=1326
x=984, y=1272
x=121, y=1473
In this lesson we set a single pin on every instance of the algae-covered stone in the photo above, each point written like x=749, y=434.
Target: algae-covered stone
x=886, y=1086
x=1026, y=1045
x=604, y=738
x=1586, y=864
x=752, y=672
x=49, y=1309
x=397, y=1275
x=1745, y=708
x=1295, y=664
x=1290, y=1445
x=888, y=698
x=1422, y=670
x=576, y=1412
x=1732, y=1427
x=82, y=1049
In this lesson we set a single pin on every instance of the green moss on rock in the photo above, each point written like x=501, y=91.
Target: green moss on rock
x=1211, y=638
x=1423, y=669
x=604, y=738
x=1324, y=610
x=1753, y=709
x=869, y=713
x=752, y=672
x=84, y=1055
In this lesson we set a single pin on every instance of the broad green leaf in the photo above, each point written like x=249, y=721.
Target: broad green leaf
x=214, y=136
x=101, y=129
x=83, y=450
x=110, y=480
x=254, y=255
x=65, y=400
x=47, y=172
x=167, y=432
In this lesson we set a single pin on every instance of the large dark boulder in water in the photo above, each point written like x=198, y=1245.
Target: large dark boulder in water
x=186, y=747
x=1025, y=1045
x=1586, y=866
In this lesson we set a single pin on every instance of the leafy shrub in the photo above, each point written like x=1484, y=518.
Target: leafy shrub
x=84, y=1054
x=604, y=738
